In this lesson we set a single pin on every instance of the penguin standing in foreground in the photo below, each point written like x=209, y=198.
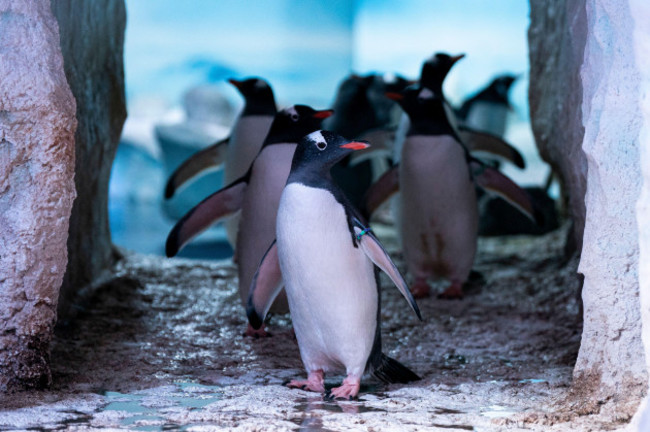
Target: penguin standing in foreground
x=256, y=194
x=326, y=254
x=236, y=152
x=438, y=207
x=488, y=109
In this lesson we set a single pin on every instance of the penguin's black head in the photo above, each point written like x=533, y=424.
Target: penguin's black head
x=252, y=87
x=292, y=123
x=501, y=85
x=417, y=101
x=258, y=96
x=320, y=150
x=426, y=110
x=435, y=69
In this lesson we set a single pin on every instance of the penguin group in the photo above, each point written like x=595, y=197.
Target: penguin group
x=301, y=185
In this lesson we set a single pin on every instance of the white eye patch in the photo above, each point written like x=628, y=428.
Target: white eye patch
x=260, y=84
x=292, y=113
x=318, y=139
x=425, y=93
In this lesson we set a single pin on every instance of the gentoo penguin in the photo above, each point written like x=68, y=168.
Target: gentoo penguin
x=438, y=208
x=326, y=253
x=256, y=193
x=237, y=151
x=487, y=110
x=432, y=75
x=361, y=112
x=258, y=102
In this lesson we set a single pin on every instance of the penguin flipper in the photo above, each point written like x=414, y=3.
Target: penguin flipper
x=492, y=181
x=378, y=255
x=381, y=190
x=478, y=141
x=391, y=371
x=265, y=287
x=218, y=205
x=201, y=162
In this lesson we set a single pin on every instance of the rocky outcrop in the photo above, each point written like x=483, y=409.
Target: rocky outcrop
x=37, y=126
x=556, y=40
x=611, y=352
x=92, y=42
x=640, y=10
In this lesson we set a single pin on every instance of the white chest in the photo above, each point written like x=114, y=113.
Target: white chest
x=330, y=284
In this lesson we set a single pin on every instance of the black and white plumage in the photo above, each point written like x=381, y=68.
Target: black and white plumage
x=256, y=194
x=327, y=258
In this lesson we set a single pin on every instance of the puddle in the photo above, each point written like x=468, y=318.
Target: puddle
x=351, y=407
x=141, y=415
x=532, y=381
x=311, y=421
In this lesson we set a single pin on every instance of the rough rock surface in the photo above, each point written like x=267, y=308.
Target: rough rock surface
x=160, y=347
x=92, y=40
x=556, y=40
x=611, y=355
x=37, y=127
x=640, y=10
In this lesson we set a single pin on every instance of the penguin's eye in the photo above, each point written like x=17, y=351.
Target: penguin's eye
x=295, y=117
x=321, y=145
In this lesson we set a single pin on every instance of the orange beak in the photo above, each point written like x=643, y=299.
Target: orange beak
x=356, y=145
x=323, y=114
x=394, y=96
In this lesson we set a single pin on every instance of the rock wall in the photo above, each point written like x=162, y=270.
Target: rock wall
x=92, y=41
x=37, y=126
x=640, y=10
x=556, y=40
x=611, y=356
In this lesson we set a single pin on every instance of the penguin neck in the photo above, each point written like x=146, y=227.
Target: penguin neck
x=283, y=135
x=491, y=94
x=312, y=176
x=264, y=106
x=431, y=123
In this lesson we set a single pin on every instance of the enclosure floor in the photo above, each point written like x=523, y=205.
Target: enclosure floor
x=160, y=347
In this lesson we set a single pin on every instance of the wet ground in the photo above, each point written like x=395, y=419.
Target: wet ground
x=160, y=347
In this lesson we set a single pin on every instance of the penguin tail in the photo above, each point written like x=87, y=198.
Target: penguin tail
x=391, y=371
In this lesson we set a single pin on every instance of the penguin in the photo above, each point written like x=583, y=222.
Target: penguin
x=361, y=112
x=256, y=194
x=432, y=75
x=437, y=202
x=237, y=151
x=487, y=110
x=328, y=258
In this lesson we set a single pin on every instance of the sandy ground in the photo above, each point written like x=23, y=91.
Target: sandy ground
x=160, y=347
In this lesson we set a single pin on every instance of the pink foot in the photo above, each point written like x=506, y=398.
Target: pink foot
x=315, y=382
x=348, y=390
x=420, y=289
x=453, y=292
x=259, y=333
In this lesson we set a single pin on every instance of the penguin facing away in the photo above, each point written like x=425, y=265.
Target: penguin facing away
x=258, y=102
x=438, y=208
x=256, y=194
x=488, y=109
x=328, y=259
